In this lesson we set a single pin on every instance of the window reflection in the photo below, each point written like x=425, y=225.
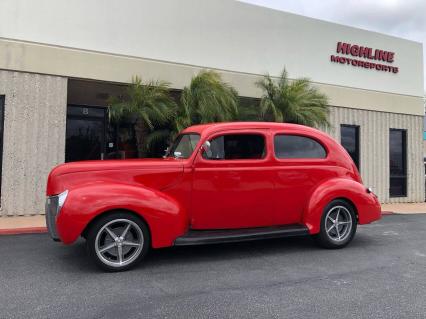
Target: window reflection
x=349, y=135
x=397, y=163
x=122, y=143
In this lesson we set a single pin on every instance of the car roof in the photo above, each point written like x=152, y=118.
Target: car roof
x=213, y=127
x=336, y=153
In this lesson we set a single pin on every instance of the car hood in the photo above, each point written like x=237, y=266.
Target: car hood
x=153, y=173
x=90, y=166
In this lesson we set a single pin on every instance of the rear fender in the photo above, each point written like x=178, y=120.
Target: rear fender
x=165, y=217
x=366, y=204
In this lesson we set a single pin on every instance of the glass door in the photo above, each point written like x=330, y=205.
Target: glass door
x=85, y=133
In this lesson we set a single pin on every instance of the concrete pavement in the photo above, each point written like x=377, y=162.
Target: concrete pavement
x=381, y=274
x=405, y=208
x=22, y=221
x=22, y=224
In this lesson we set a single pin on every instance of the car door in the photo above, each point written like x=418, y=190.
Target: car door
x=233, y=182
x=301, y=166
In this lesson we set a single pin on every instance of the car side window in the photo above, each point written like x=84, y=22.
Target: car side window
x=296, y=146
x=236, y=146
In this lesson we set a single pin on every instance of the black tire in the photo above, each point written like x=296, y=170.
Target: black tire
x=330, y=240
x=118, y=221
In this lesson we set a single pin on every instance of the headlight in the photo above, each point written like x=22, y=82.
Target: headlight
x=53, y=207
x=61, y=199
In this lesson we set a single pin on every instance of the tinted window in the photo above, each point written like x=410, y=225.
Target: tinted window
x=349, y=135
x=236, y=146
x=184, y=145
x=85, y=133
x=398, y=163
x=294, y=146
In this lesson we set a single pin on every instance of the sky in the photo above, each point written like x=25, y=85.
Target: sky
x=401, y=18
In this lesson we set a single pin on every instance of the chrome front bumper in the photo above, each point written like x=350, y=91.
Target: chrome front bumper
x=51, y=210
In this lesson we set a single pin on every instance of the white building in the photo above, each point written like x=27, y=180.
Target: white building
x=60, y=60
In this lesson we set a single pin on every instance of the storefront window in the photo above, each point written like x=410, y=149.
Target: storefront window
x=349, y=138
x=398, y=162
x=85, y=133
x=122, y=141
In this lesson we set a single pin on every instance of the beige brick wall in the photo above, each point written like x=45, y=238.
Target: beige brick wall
x=34, y=138
x=374, y=149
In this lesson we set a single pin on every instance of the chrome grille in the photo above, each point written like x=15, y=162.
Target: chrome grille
x=52, y=203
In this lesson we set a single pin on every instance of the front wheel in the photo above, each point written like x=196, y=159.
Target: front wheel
x=118, y=241
x=338, y=225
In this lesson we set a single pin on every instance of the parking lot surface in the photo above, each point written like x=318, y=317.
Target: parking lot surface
x=382, y=274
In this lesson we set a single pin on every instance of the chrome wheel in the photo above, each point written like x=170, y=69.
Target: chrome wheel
x=338, y=223
x=119, y=242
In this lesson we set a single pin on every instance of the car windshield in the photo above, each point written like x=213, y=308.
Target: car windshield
x=184, y=145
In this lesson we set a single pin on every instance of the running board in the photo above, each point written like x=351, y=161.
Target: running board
x=203, y=237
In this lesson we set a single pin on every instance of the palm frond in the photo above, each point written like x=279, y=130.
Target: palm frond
x=207, y=99
x=296, y=101
x=150, y=104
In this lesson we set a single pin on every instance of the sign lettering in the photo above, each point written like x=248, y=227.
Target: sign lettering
x=371, y=59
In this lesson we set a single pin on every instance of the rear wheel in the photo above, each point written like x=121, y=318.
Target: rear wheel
x=338, y=225
x=118, y=241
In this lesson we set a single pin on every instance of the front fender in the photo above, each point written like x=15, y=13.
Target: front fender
x=166, y=219
x=366, y=204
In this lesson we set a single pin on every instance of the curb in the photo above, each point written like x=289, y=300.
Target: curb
x=385, y=212
x=26, y=230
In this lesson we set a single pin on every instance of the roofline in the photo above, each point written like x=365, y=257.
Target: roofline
x=217, y=126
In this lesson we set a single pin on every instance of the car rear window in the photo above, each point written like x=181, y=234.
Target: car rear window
x=297, y=146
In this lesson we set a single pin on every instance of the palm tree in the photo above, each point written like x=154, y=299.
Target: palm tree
x=207, y=99
x=150, y=106
x=292, y=101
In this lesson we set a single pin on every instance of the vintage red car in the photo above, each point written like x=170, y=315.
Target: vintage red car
x=222, y=182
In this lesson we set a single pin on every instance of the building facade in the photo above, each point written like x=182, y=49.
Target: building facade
x=60, y=61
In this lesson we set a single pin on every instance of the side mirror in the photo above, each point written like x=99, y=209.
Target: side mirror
x=177, y=154
x=205, y=149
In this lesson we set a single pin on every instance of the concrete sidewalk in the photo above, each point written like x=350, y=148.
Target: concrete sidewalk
x=37, y=224
x=22, y=224
x=405, y=208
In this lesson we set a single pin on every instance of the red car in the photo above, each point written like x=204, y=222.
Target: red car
x=222, y=182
